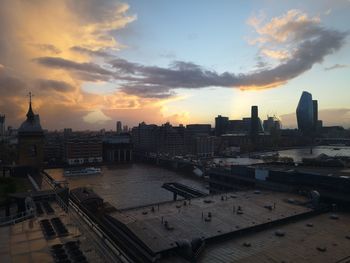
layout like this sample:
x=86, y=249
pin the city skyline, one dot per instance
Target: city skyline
x=91, y=63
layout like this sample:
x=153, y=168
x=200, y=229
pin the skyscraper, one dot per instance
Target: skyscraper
x=305, y=113
x=119, y=127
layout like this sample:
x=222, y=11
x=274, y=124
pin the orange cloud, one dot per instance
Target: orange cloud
x=263, y=87
x=66, y=31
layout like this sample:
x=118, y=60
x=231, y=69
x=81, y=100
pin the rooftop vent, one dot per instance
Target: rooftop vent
x=334, y=217
x=280, y=233
x=321, y=248
x=247, y=244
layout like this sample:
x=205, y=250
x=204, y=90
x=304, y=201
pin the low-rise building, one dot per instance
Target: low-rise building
x=83, y=151
x=117, y=149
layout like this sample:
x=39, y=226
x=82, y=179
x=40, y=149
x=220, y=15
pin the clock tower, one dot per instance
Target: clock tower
x=31, y=140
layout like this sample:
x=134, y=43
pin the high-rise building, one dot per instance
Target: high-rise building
x=2, y=126
x=305, y=113
x=125, y=128
x=254, y=130
x=119, y=127
x=221, y=124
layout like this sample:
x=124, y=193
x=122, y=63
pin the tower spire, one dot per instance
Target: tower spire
x=30, y=113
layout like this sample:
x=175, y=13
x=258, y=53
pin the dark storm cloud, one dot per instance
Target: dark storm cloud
x=153, y=91
x=304, y=39
x=337, y=66
x=189, y=75
x=84, y=71
x=59, y=86
x=56, y=62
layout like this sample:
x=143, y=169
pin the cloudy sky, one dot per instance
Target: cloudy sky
x=92, y=62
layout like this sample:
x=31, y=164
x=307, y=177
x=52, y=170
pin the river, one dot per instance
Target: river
x=131, y=185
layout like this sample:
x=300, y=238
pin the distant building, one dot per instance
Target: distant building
x=203, y=146
x=144, y=137
x=239, y=126
x=125, y=128
x=164, y=139
x=83, y=151
x=198, y=140
x=117, y=149
x=305, y=113
x=170, y=139
x=254, y=122
x=119, y=127
x=221, y=124
x=317, y=123
x=198, y=129
x=272, y=123
x=53, y=148
x=2, y=126
x=31, y=140
x=67, y=130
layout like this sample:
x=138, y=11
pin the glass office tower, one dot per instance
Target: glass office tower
x=305, y=113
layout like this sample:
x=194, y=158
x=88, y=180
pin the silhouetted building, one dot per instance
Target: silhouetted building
x=54, y=147
x=221, y=124
x=119, y=127
x=31, y=140
x=83, y=151
x=198, y=129
x=203, y=145
x=170, y=139
x=239, y=126
x=315, y=111
x=272, y=123
x=254, y=122
x=144, y=137
x=117, y=149
x=2, y=126
x=305, y=113
x=198, y=140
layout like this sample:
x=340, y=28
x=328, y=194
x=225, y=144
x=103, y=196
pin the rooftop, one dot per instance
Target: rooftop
x=317, y=239
x=211, y=217
x=326, y=171
x=25, y=242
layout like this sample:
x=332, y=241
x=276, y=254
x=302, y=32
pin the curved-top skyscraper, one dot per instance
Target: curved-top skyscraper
x=305, y=113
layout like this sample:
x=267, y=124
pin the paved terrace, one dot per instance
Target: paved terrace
x=24, y=242
x=186, y=222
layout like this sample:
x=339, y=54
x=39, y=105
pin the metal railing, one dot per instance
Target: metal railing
x=106, y=248
x=13, y=219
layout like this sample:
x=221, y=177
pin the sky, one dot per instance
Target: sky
x=90, y=63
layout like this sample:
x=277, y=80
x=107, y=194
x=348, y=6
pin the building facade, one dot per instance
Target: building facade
x=83, y=151
x=221, y=124
x=117, y=149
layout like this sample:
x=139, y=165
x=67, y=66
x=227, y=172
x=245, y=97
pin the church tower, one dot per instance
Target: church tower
x=31, y=140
